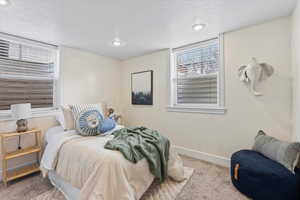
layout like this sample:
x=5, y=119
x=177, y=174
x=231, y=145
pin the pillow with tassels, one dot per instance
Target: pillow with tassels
x=89, y=123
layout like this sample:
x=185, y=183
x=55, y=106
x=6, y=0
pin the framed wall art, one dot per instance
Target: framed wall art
x=142, y=88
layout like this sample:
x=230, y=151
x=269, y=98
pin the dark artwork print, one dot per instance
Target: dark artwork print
x=141, y=88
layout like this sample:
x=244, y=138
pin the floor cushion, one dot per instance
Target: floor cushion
x=261, y=178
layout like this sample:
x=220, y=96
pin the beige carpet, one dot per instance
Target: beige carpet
x=208, y=182
x=165, y=191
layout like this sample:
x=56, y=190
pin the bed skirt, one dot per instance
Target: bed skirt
x=70, y=192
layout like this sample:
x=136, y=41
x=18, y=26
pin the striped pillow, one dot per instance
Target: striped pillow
x=77, y=109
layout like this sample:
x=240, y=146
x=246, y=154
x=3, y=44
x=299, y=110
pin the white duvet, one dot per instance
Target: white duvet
x=98, y=173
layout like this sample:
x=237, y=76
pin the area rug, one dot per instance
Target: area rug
x=168, y=190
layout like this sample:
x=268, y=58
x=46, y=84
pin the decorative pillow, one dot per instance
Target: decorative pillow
x=78, y=109
x=89, y=123
x=68, y=118
x=285, y=153
x=107, y=125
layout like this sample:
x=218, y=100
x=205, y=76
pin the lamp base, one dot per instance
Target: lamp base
x=22, y=125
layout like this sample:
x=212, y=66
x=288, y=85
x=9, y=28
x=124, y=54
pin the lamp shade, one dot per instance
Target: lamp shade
x=21, y=111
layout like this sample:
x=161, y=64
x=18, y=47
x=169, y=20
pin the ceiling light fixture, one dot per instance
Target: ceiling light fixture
x=4, y=2
x=198, y=27
x=116, y=42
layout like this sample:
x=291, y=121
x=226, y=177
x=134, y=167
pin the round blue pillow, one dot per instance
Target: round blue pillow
x=107, y=125
x=89, y=122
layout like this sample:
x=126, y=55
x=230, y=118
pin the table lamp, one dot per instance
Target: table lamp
x=21, y=112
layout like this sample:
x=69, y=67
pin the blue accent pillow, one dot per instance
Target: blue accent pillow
x=89, y=122
x=107, y=125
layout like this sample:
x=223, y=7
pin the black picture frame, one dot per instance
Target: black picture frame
x=142, y=97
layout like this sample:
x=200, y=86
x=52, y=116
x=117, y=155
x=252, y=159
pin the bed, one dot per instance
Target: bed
x=81, y=168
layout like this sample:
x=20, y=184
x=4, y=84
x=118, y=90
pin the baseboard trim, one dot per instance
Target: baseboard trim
x=218, y=160
x=17, y=167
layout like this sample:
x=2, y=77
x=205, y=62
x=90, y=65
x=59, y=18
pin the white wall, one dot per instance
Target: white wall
x=222, y=134
x=296, y=70
x=86, y=78
x=89, y=78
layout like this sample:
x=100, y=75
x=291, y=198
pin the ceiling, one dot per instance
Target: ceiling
x=145, y=25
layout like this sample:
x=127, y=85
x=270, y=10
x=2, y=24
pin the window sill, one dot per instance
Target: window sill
x=6, y=116
x=186, y=109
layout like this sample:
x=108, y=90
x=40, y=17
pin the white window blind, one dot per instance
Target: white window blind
x=28, y=72
x=197, y=70
x=201, y=90
x=197, y=77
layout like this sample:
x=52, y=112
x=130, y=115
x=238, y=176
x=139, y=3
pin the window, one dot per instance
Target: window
x=28, y=74
x=197, y=77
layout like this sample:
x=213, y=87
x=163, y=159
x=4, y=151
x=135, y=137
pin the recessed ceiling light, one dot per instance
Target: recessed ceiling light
x=198, y=27
x=4, y=2
x=116, y=42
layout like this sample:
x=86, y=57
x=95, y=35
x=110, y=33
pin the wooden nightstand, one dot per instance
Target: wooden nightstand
x=11, y=175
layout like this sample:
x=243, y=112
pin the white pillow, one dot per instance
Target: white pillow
x=60, y=118
x=68, y=118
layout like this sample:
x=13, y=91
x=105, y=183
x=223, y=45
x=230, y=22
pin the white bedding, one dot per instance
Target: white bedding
x=98, y=173
x=56, y=137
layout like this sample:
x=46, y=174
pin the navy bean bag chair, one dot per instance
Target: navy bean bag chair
x=261, y=178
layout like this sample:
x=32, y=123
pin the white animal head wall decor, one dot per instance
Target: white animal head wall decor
x=254, y=73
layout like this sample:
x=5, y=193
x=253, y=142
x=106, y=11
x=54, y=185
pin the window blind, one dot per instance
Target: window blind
x=27, y=74
x=197, y=73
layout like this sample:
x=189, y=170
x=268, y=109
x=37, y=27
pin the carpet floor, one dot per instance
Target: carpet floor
x=209, y=182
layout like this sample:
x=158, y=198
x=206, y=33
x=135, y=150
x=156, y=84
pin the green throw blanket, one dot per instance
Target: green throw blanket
x=140, y=142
